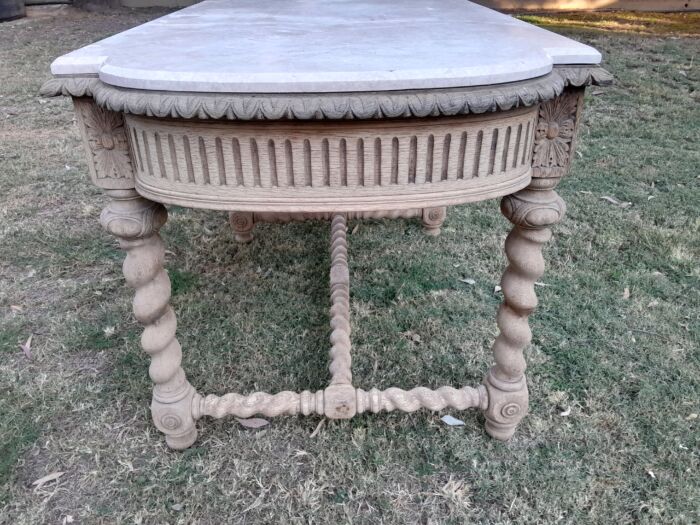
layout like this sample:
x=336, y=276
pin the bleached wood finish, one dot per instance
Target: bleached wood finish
x=342, y=166
x=532, y=211
x=340, y=304
x=308, y=403
x=134, y=157
x=330, y=106
x=135, y=221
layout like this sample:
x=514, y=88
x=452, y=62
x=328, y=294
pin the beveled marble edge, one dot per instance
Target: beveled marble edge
x=328, y=106
x=325, y=46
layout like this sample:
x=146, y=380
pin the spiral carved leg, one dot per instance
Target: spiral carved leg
x=531, y=211
x=432, y=219
x=135, y=221
x=340, y=402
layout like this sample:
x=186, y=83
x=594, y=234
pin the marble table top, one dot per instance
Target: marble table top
x=295, y=46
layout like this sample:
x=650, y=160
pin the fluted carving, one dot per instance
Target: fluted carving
x=135, y=221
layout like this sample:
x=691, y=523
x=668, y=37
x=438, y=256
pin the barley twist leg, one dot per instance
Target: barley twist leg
x=135, y=221
x=531, y=211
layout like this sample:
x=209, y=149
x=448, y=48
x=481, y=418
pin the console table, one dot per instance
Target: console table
x=289, y=110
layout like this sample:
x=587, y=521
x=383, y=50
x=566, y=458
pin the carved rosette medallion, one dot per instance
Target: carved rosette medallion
x=106, y=142
x=554, y=135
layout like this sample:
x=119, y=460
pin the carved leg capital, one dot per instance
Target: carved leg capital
x=135, y=221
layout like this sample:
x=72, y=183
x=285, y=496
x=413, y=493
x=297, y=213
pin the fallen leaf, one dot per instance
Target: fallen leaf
x=253, y=422
x=541, y=284
x=467, y=280
x=15, y=308
x=47, y=479
x=108, y=331
x=354, y=230
x=496, y=289
x=691, y=416
x=566, y=412
x=613, y=200
x=318, y=428
x=651, y=197
x=27, y=347
x=177, y=507
x=452, y=421
x=653, y=303
x=412, y=336
x=67, y=519
x=651, y=474
x=626, y=293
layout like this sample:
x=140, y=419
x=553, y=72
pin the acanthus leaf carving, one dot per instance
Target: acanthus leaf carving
x=554, y=135
x=104, y=135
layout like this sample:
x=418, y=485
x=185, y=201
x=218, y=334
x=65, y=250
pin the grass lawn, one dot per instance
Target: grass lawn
x=615, y=338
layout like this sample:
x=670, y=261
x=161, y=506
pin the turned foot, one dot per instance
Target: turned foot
x=432, y=219
x=242, y=223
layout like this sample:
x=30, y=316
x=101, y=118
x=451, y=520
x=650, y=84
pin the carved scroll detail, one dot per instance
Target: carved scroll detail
x=104, y=136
